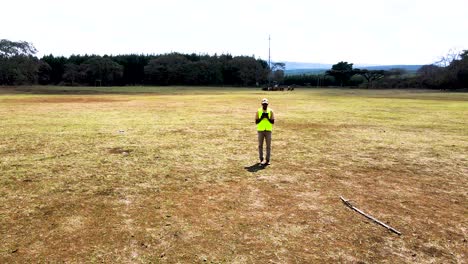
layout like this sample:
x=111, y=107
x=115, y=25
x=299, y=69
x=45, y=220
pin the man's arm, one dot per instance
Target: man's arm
x=272, y=119
x=257, y=120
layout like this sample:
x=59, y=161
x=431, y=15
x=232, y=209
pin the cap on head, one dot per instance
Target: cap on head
x=264, y=101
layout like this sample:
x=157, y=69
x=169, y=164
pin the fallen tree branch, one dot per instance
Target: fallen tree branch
x=347, y=203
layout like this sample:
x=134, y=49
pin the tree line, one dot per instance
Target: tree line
x=19, y=66
x=450, y=73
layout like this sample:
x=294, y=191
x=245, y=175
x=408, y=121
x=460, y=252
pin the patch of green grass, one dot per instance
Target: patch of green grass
x=161, y=174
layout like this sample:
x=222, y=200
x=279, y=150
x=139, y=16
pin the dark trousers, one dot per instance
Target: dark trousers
x=264, y=135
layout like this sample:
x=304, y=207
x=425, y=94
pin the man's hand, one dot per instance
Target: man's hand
x=265, y=115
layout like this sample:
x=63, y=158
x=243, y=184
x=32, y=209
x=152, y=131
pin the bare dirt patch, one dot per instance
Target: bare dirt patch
x=64, y=100
x=120, y=150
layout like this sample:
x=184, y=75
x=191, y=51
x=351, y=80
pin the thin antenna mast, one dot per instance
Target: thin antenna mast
x=269, y=62
x=269, y=58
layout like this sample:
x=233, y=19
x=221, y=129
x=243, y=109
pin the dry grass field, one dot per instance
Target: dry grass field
x=169, y=175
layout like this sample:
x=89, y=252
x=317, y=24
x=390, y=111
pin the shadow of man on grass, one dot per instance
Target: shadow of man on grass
x=254, y=168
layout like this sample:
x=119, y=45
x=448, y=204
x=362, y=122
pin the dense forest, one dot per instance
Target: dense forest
x=20, y=66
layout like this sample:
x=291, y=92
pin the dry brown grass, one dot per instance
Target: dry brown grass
x=169, y=177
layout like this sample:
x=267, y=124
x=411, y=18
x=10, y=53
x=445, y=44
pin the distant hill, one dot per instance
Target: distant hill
x=409, y=68
x=304, y=71
x=298, y=68
x=306, y=65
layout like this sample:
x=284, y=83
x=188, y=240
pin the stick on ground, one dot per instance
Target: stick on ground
x=347, y=203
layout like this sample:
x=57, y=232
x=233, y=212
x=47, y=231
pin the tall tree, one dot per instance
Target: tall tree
x=72, y=74
x=102, y=71
x=43, y=72
x=370, y=75
x=17, y=63
x=277, y=71
x=462, y=74
x=10, y=48
x=203, y=72
x=57, y=67
x=342, y=72
x=458, y=71
x=245, y=67
x=133, y=67
x=167, y=69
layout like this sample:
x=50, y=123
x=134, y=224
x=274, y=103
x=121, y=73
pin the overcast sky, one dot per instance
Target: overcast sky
x=321, y=31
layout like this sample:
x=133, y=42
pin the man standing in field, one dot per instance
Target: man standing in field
x=264, y=118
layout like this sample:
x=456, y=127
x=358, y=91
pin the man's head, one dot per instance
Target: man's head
x=264, y=103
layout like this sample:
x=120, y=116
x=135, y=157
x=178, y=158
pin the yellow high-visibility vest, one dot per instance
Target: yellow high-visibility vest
x=264, y=125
